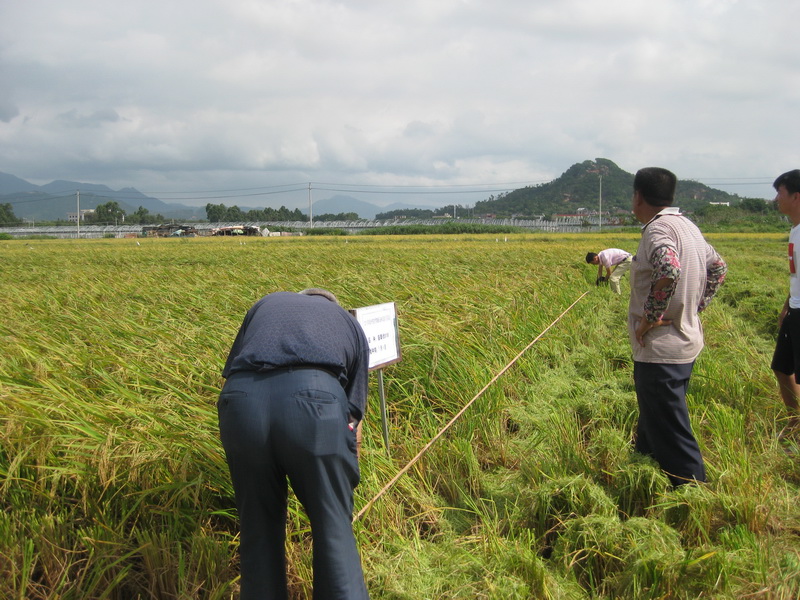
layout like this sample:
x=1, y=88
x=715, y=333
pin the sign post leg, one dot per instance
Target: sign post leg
x=384, y=421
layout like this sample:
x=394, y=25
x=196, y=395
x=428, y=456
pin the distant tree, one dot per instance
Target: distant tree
x=219, y=212
x=215, y=212
x=7, y=216
x=142, y=216
x=139, y=216
x=110, y=212
x=284, y=214
x=350, y=216
x=740, y=219
x=234, y=213
x=405, y=213
x=755, y=205
x=451, y=210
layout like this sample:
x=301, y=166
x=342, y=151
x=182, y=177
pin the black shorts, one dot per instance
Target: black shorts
x=786, y=359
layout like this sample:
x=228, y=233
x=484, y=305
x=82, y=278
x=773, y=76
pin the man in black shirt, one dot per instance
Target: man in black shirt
x=295, y=391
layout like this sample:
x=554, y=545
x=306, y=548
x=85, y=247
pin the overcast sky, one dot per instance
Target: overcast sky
x=243, y=101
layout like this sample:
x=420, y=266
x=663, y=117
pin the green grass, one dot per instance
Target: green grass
x=113, y=483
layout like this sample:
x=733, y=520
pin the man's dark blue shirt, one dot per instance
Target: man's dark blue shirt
x=287, y=329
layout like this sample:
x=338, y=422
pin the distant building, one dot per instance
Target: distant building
x=720, y=203
x=238, y=230
x=169, y=230
x=73, y=217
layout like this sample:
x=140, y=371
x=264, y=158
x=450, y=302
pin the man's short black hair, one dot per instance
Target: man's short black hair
x=790, y=180
x=590, y=257
x=320, y=292
x=656, y=185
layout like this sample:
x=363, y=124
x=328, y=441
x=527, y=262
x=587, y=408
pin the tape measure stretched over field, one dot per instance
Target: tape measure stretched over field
x=427, y=446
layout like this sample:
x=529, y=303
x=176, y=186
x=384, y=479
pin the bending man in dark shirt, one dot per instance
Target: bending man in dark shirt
x=295, y=391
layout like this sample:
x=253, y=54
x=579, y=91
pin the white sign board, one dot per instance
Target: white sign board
x=379, y=323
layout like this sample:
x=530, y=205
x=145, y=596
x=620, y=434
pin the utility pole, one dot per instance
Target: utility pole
x=310, y=213
x=600, y=170
x=78, y=197
x=600, y=216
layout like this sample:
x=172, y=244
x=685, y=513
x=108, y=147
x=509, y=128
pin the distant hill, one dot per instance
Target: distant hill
x=346, y=204
x=343, y=204
x=10, y=185
x=54, y=200
x=579, y=188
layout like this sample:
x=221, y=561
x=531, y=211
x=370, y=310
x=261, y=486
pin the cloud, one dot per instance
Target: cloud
x=72, y=118
x=438, y=92
x=7, y=110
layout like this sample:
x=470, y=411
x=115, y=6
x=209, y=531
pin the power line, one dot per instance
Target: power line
x=429, y=186
x=290, y=188
x=115, y=196
x=304, y=184
x=353, y=188
x=48, y=198
x=354, y=191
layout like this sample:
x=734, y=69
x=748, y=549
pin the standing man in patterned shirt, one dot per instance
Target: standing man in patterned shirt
x=674, y=276
x=786, y=360
x=295, y=392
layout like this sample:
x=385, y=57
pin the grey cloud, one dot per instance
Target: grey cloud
x=371, y=91
x=8, y=111
x=88, y=120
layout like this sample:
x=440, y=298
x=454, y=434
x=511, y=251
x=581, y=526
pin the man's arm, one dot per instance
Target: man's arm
x=663, y=282
x=784, y=312
x=357, y=372
x=715, y=277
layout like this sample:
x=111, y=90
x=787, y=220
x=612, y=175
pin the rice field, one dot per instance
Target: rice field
x=114, y=486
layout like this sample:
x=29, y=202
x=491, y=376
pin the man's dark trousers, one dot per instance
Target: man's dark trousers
x=292, y=423
x=664, y=431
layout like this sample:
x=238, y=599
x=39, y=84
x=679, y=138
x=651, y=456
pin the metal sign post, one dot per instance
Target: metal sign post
x=384, y=418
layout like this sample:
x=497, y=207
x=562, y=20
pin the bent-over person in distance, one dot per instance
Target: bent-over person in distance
x=674, y=276
x=616, y=262
x=295, y=392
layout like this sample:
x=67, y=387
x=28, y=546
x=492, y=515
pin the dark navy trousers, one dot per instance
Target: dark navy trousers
x=292, y=423
x=664, y=431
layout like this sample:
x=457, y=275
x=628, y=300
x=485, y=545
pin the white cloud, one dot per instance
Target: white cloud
x=174, y=95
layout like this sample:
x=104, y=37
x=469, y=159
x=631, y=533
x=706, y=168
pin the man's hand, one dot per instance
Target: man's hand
x=600, y=280
x=645, y=326
x=783, y=313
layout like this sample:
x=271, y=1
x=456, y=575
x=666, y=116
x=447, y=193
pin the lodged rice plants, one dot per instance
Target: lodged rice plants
x=113, y=483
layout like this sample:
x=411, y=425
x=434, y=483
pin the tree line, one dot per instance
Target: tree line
x=7, y=216
x=219, y=213
x=451, y=210
x=109, y=213
x=748, y=213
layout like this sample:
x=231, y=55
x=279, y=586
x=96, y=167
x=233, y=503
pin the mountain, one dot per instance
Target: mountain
x=346, y=204
x=579, y=188
x=56, y=199
x=11, y=185
x=53, y=201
